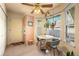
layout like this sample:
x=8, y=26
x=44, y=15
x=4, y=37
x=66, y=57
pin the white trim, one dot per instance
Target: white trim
x=68, y=7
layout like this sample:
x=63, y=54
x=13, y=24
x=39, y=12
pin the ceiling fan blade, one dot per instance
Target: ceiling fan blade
x=32, y=11
x=47, y=5
x=41, y=11
x=27, y=4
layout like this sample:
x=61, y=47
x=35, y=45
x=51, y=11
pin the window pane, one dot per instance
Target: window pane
x=53, y=19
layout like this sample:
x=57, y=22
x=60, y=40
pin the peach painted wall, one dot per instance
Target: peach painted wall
x=29, y=30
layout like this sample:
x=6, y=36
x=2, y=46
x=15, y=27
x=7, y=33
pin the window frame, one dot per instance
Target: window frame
x=69, y=7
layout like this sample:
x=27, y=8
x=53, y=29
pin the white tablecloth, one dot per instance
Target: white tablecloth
x=47, y=37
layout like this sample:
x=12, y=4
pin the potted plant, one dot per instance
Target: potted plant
x=46, y=25
x=72, y=53
x=68, y=53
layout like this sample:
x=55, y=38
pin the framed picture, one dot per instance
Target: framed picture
x=30, y=23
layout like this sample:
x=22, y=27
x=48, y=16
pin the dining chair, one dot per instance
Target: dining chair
x=42, y=45
x=55, y=41
x=37, y=41
x=54, y=44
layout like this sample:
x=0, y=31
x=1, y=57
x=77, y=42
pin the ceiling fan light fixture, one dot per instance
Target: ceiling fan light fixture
x=37, y=10
x=38, y=7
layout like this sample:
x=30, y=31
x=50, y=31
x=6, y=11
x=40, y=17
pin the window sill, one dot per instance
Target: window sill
x=71, y=44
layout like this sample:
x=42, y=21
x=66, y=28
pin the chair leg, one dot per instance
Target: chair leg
x=58, y=51
x=52, y=52
x=37, y=44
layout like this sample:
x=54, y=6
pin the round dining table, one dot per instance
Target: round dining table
x=48, y=38
x=47, y=42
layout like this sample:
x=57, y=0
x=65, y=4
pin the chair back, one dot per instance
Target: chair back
x=37, y=39
x=42, y=43
x=54, y=43
x=57, y=33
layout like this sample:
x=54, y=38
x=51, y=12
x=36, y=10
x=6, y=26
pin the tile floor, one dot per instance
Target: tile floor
x=22, y=50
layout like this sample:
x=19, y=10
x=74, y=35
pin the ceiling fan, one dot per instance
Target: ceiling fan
x=38, y=7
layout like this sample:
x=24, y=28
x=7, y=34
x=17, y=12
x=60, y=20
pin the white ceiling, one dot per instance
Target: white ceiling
x=18, y=7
